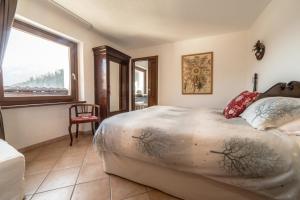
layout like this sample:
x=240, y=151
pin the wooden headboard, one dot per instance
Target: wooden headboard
x=291, y=89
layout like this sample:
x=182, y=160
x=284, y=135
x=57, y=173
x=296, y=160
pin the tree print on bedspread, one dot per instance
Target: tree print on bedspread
x=275, y=109
x=153, y=142
x=248, y=158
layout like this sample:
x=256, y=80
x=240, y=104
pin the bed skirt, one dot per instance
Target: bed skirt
x=179, y=184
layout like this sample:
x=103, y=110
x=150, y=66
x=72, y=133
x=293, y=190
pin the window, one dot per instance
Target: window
x=38, y=67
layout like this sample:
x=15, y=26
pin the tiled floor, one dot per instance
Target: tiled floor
x=60, y=172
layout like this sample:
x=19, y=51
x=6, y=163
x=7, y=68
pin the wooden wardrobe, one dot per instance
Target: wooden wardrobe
x=111, y=81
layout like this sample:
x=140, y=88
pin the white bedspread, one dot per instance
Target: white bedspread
x=204, y=142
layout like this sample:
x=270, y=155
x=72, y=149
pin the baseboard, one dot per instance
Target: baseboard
x=57, y=139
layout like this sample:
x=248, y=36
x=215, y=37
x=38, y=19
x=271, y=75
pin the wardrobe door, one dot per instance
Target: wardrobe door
x=118, y=86
x=100, y=80
x=114, y=87
x=124, y=80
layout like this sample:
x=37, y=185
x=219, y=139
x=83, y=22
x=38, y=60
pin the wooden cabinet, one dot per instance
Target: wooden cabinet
x=111, y=81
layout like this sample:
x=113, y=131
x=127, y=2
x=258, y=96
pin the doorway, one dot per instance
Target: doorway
x=144, y=82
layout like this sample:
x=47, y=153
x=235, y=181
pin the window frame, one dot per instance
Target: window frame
x=38, y=32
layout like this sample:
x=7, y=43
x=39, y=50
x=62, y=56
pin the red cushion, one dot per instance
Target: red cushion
x=239, y=104
x=83, y=119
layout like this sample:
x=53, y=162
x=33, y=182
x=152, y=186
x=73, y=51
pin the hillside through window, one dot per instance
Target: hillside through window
x=37, y=65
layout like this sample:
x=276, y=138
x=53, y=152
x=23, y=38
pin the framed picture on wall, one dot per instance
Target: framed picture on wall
x=197, y=73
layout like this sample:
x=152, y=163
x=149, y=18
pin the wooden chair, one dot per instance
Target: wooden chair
x=83, y=113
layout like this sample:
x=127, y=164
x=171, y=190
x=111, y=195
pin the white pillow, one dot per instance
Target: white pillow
x=272, y=112
x=292, y=127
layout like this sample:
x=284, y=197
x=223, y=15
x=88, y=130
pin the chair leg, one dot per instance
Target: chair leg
x=93, y=128
x=77, y=129
x=70, y=132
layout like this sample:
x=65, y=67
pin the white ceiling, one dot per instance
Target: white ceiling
x=141, y=23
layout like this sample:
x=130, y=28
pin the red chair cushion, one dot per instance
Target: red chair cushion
x=84, y=119
x=239, y=104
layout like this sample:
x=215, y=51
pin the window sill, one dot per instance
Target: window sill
x=40, y=104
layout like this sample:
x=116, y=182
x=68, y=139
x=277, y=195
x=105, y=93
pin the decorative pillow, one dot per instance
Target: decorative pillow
x=292, y=127
x=239, y=104
x=272, y=112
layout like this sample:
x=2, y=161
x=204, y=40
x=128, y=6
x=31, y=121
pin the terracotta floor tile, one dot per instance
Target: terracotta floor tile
x=96, y=190
x=92, y=148
x=157, y=195
x=51, y=153
x=39, y=166
x=31, y=155
x=69, y=162
x=122, y=188
x=52, y=170
x=76, y=151
x=93, y=157
x=139, y=197
x=58, y=194
x=59, y=144
x=54, y=148
x=90, y=172
x=149, y=189
x=32, y=182
x=83, y=140
x=58, y=179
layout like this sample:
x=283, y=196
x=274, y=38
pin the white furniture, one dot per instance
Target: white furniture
x=12, y=168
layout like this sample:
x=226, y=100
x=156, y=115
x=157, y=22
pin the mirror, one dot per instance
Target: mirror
x=141, y=84
x=114, y=82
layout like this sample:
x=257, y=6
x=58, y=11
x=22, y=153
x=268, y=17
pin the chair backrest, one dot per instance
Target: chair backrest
x=84, y=109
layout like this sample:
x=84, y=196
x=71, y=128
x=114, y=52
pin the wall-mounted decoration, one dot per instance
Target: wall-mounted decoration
x=197, y=73
x=259, y=49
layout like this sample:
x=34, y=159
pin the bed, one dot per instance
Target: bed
x=198, y=154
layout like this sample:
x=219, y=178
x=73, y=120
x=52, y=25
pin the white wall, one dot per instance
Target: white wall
x=230, y=53
x=279, y=28
x=28, y=126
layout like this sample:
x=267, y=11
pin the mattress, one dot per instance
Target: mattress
x=202, y=142
x=12, y=168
